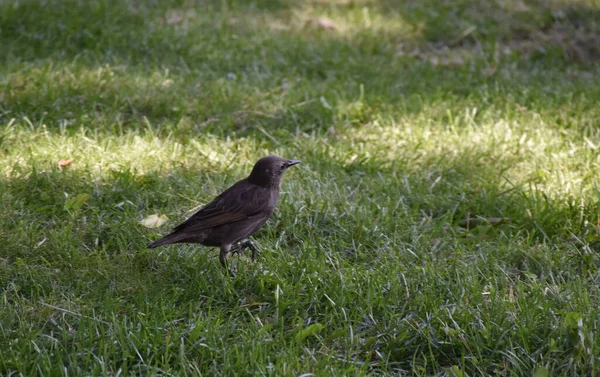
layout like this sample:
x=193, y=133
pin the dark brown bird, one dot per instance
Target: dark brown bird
x=235, y=214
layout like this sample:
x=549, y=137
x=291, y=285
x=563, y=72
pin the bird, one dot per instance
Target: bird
x=236, y=214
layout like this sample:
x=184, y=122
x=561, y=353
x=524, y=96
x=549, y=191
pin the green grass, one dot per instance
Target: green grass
x=409, y=116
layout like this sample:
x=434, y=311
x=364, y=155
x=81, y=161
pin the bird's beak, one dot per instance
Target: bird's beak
x=293, y=162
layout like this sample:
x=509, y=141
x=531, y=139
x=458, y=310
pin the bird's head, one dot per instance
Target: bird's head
x=268, y=171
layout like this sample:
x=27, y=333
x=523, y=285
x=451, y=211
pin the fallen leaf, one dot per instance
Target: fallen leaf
x=154, y=221
x=325, y=23
x=64, y=163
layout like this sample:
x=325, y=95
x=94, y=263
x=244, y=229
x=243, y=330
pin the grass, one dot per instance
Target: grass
x=409, y=117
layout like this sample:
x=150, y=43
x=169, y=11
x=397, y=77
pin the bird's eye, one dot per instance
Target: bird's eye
x=283, y=166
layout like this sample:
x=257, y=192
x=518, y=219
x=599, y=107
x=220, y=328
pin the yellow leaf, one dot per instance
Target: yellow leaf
x=154, y=221
x=64, y=163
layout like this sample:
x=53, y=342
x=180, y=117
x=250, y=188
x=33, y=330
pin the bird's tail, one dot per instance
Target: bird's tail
x=168, y=239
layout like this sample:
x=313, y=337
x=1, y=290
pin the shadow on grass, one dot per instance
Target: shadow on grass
x=216, y=68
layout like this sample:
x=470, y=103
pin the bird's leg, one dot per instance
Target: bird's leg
x=225, y=251
x=254, y=248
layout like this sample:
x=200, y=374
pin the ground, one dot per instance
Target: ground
x=410, y=117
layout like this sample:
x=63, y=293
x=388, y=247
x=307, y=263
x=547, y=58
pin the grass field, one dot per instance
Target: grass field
x=409, y=117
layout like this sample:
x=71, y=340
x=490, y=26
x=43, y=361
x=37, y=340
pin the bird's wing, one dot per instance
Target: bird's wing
x=239, y=202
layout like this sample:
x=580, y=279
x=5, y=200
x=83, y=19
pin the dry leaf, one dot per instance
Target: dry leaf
x=64, y=163
x=154, y=221
x=325, y=23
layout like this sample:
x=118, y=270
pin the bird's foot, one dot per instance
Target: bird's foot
x=240, y=246
x=255, y=250
x=236, y=249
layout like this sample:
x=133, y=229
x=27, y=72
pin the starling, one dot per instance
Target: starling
x=237, y=213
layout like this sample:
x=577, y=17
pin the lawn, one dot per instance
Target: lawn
x=409, y=116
